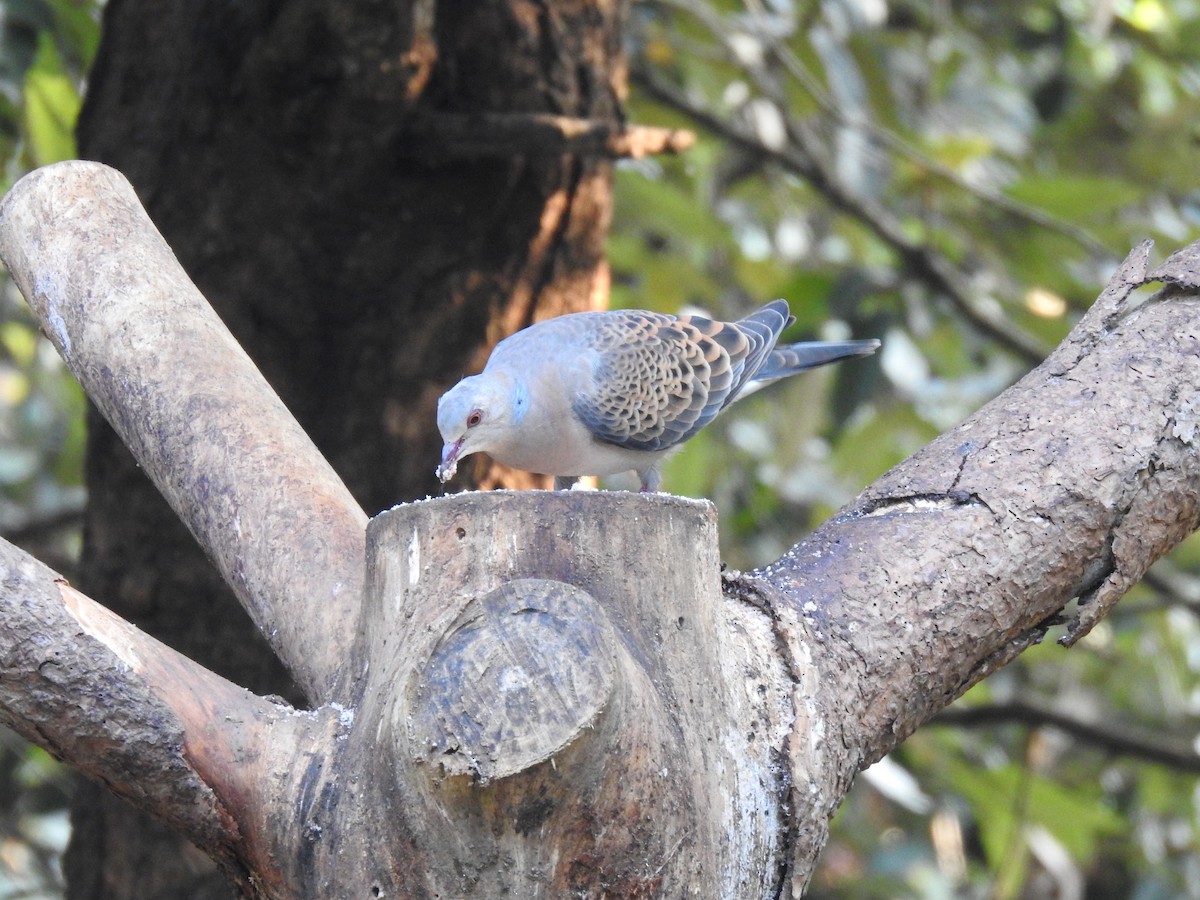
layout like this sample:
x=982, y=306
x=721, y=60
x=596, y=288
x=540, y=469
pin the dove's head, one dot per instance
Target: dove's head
x=478, y=414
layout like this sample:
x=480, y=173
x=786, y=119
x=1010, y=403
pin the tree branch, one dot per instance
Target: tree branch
x=168, y=735
x=467, y=135
x=778, y=51
x=1069, y=484
x=803, y=159
x=1123, y=739
x=202, y=755
x=201, y=420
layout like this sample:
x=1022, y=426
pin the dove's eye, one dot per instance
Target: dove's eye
x=474, y=418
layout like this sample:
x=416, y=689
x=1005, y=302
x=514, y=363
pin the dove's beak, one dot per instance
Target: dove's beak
x=449, y=460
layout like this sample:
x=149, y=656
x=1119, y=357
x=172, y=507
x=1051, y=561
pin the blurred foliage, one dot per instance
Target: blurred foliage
x=958, y=179
x=45, y=49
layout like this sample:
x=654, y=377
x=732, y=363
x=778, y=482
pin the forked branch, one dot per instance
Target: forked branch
x=201, y=420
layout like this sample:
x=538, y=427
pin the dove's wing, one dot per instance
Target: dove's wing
x=658, y=379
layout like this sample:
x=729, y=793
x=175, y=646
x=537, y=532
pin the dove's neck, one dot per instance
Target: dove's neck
x=520, y=403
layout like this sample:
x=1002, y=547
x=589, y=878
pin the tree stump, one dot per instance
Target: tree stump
x=554, y=680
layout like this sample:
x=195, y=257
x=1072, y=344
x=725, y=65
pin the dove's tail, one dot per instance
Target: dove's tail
x=792, y=358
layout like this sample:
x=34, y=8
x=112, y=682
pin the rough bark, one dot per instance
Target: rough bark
x=519, y=735
x=563, y=697
x=294, y=157
x=362, y=268
x=358, y=265
x=202, y=755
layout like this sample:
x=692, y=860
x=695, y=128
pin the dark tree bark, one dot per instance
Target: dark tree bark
x=293, y=154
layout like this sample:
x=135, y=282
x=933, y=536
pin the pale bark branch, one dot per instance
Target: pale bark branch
x=1070, y=484
x=560, y=684
x=201, y=420
x=75, y=682
x=179, y=742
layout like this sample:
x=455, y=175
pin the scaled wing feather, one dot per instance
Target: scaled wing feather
x=658, y=379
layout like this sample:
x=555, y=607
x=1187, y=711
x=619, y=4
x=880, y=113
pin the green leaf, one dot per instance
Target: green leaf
x=660, y=205
x=19, y=339
x=689, y=472
x=1078, y=198
x=1076, y=815
x=876, y=442
x=807, y=293
x=78, y=26
x=52, y=105
x=1187, y=554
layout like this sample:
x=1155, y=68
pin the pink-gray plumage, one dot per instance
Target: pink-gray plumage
x=597, y=393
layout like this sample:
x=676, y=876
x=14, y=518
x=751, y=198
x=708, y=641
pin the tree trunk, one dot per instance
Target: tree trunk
x=363, y=245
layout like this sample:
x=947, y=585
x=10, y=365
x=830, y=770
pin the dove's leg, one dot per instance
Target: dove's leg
x=565, y=482
x=651, y=478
